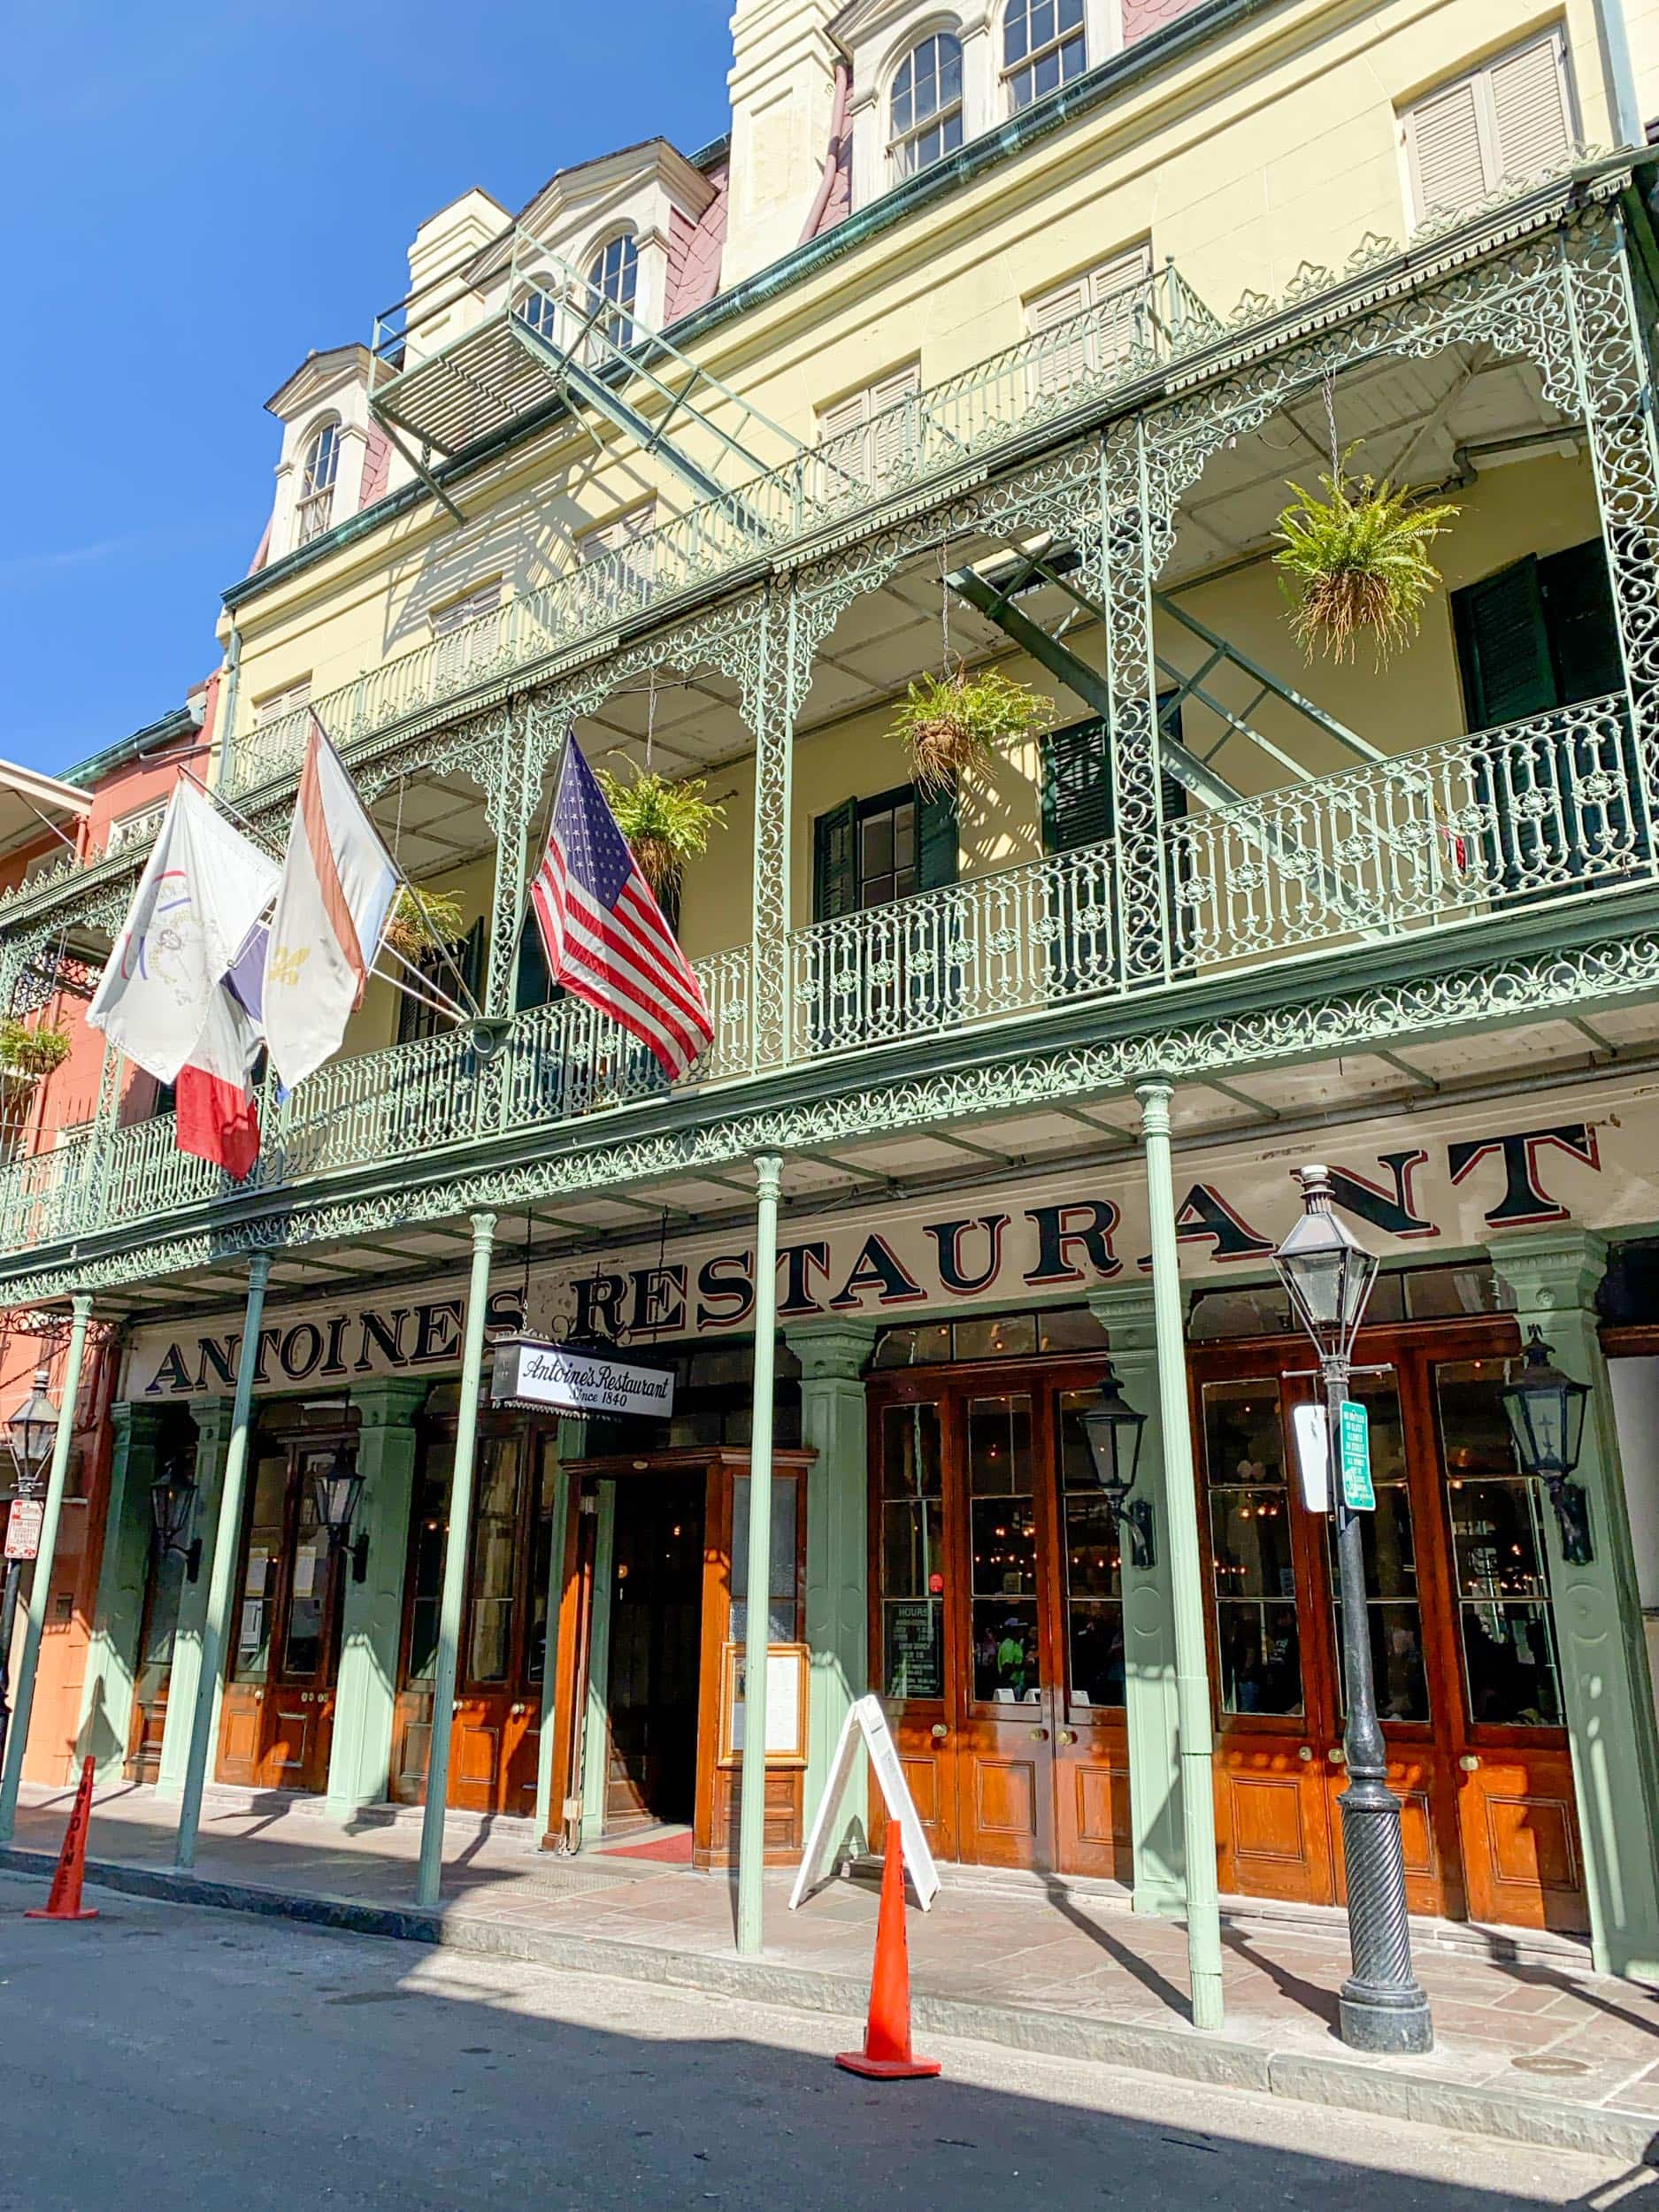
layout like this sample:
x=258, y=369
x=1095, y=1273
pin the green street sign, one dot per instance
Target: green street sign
x=1354, y=1438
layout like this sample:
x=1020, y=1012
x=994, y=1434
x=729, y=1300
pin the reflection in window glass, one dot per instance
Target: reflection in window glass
x=1505, y=1615
x=495, y=1526
x=1006, y=1665
x=432, y=1507
x=1006, y=1336
x=912, y=1554
x=1094, y=1585
x=261, y=1562
x=1249, y=1535
x=1391, y=1567
x=784, y=1617
x=311, y=1581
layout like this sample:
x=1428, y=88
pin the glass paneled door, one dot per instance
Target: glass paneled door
x=998, y=1629
x=1461, y=1630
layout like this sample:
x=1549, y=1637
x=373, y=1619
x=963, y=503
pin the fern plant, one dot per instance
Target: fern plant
x=1356, y=564
x=665, y=824
x=956, y=722
x=32, y=1051
x=423, y=922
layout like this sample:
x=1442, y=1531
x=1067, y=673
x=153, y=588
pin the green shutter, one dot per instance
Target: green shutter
x=1503, y=646
x=835, y=862
x=1583, y=630
x=1077, y=787
x=938, y=841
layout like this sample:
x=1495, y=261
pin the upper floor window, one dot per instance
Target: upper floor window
x=1092, y=321
x=136, y=828
x=540, y=311
x=614, y=275
x=465, y=637
x=1044, y=45
x=275, y=704
x=926, y=108
x=1509, y=121
x=629, y=538
x=315, y=507
x=866, y=435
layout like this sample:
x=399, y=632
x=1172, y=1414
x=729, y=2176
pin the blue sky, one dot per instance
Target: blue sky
x=194, y=196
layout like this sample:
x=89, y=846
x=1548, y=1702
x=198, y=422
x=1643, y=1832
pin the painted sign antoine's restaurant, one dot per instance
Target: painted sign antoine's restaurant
x=1406, y=1183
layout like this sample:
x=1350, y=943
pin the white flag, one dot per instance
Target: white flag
x=338, y=884
x=205, y=889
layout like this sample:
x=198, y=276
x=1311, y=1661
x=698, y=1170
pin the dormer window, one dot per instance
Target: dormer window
x=1044, y=46
x=614, y=275
x=315, y=508
x=539, y=310
x=926, y=104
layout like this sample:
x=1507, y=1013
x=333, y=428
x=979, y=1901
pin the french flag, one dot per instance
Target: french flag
x=216, y=1116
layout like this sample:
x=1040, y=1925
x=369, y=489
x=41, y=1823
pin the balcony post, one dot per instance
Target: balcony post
x=1133, y=544
x=751, y=1833
x=17, y=1738
x=1192, y=1666
x=770, y=707
x=452, y=1602
x=222, y=1570
x=507, y=807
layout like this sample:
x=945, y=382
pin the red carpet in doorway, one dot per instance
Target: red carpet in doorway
x=673, y=1850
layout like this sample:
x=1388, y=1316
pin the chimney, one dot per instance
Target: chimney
x=443, y=245
x=783, y=112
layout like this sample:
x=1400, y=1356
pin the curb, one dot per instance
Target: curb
x=1221, y=2062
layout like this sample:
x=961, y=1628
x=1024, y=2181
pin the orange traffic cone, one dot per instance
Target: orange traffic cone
x=65, y=1901
x=886, y=2055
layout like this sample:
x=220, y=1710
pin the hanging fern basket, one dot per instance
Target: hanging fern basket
x=1356, y=565
x=32, y=1051
x=665, y=824
x=956, y=723
x=424, y=922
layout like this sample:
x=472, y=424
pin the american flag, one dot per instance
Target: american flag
x=605, y=936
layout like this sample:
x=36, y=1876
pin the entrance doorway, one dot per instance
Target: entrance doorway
x=998, y=1640
x=1462, y=1631
x=655, y=1663
x=278, y=1719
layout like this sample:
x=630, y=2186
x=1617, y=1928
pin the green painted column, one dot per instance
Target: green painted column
x=1186, y=1571
x=40, y=1580
x=833, y=1424
x=1553, y=1277
x=1156, y=1817
x=452, y=1599
x=118, y=1620
x=751, y=1827
x=213, y=1418
x=596, y=1704
x=222, y=1561
x=360, y=1756
x=570, y=1446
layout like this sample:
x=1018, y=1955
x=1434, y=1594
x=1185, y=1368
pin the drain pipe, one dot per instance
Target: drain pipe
x=225, y=719
x=837, y=147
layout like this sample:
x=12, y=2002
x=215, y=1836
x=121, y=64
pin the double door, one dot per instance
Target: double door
x=277, y=1721
x=998, y=1637
x=1461, y=1621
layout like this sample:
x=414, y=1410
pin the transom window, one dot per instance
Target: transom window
x=926, y=113
x=315, y=509
x=1044, y=46
x=614, y=274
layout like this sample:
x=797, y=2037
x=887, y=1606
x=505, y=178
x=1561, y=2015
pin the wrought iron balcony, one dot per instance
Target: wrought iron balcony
x=1555, y=807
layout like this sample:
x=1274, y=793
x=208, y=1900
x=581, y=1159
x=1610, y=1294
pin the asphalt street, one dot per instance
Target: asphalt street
x=166, y=2056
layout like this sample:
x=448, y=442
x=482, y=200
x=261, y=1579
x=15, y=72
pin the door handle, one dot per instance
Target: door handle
x=1305, y=1751
x=1066, y=1735
x=1470, y=1763
x=517, y=1713
x=258, y=1697
x=1040, y=1734
x=1337, y=1756
x=939, y=1731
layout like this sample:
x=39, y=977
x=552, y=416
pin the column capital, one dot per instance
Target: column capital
x=1127, y=1312
x=258, y=1270
x=768, y=1173
x=833, y=1351
x=390, y=1400
x=1551, y=1270
x=1155, y=1097
x=483, y=1231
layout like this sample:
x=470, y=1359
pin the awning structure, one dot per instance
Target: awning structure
x=32, y=806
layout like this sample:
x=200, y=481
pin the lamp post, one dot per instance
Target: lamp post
x=29, y=1435
x=1114, y=1430
x=1545, y=1409
x=1329, y=1274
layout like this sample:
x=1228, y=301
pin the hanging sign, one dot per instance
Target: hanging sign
x=868, y=1724
x=556, y=1377
x=1354, y=1442
x=23, y=1528
x=1312, y=1432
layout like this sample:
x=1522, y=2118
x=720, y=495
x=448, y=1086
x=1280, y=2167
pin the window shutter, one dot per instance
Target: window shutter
x=1581, y=624
x=1176, y=797
x=891, y=417
x=1446, y=149
x=1530, y=108
x=1119, y=291
x=835, y=862
x=1077, y=789
x=846, y=415
x=532, y=985
x=1503, y=647
x=1064, y=360
x=937, y=840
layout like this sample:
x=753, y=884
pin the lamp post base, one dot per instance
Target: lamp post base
x=1394, y=2023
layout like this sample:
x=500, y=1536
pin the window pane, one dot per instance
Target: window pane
x=1255, y=1567
x=1009, y=1336
x=1003, y=1531
x=1094, y=1625
x=999, y=1447
x=785, y=1610
x=259, y=1574
x=1391, y=1572
x=432, y=1511
x=311, y=1581
x=912, y=1535
x=494, y=1532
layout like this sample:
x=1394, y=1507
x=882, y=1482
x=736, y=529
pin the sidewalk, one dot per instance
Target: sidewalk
x=1530, y=2044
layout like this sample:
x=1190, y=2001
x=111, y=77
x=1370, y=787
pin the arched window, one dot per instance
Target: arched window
x=614, y=274
x=1044, y=45
x=926, y=113
x=315, y=507
x=540, y=311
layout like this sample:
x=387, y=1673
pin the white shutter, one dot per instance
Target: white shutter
x=463, y=632
x=1058, y=364
x=1118, y=290
x=624, y=536
x=1528, y=103
x=275, y=704
x=891, y=418
x=1447, y=158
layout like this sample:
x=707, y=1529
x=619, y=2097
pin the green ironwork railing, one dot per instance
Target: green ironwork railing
x=1558, y=806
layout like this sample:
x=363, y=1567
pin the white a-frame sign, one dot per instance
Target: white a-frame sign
x=867, y=1721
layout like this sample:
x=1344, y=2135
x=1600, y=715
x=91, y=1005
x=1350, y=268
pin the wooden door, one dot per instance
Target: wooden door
x=164, y=1588
x=911, y=1576
x=1091, y=1757
x=654, y=1674
x=278, y=1716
